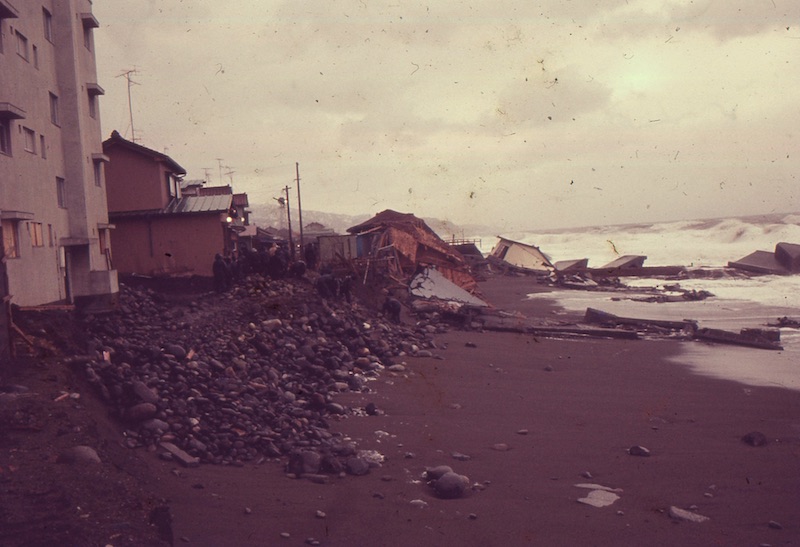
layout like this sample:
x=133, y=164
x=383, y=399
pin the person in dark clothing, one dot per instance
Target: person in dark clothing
x=327, y=286
x=220, y=271
x=311, y=256
x=345, y=288
x=298, y=269
x=230, y=274
x=392, y=307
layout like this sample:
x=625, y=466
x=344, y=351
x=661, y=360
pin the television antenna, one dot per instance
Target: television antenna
x=128, y=75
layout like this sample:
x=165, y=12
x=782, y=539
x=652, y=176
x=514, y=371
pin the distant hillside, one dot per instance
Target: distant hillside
x=272, y=215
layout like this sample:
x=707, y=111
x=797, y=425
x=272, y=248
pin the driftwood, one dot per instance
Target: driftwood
x=604, y=318
x=754, y=338
x=525, y=326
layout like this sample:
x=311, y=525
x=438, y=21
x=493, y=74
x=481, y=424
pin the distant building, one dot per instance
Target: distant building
x=158, y=230
x=53, y=213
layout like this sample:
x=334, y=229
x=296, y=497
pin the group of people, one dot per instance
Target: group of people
x=271, y=262
x=275, y=262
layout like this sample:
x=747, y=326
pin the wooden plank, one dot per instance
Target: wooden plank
x=598, y=316
x=738, y=339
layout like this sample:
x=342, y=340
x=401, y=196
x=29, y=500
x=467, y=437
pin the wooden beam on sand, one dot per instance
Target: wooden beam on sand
x=604, y=318
x=523, y=326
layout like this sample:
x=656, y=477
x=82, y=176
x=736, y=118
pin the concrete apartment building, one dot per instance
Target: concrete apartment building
x=53, y=210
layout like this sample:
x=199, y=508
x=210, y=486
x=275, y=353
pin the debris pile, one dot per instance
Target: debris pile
x=242, y=376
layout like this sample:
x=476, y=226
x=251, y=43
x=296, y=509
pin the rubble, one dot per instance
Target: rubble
x=244, y=375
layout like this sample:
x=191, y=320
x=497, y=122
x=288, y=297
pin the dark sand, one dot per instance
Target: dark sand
x=600, y=398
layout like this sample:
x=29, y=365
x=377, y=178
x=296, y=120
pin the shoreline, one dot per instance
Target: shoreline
x=581, y=405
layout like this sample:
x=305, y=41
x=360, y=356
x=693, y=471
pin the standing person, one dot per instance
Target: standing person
x=229, y=269
x=220, y=271
x=345, y=288
x=311, y=256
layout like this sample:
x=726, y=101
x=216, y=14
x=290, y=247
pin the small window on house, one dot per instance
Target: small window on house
x=47, y=22
x=54, y=109
x=50, y=235
x=35, y=57
x=61, y=192
x=22, y=46
x=30, y=140
x=10, y=238
x=42, y=147
x=5, y=136
x=35, y=233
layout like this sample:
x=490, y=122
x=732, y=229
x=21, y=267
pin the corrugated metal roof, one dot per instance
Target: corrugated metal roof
x=199, y=204
x=184, y=206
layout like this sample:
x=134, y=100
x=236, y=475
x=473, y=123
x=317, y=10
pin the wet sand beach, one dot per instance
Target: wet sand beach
x=527, y=419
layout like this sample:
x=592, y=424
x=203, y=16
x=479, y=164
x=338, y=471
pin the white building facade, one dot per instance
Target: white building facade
x=53, y=209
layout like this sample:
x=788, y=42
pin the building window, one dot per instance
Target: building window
x=93, y=105
x=47, y=21
x=10, y=239
x=87, y=38
x=42, y=146
x=35, y=57
x=98, y=173
x=54, y=109
x=61, y=192
x=103, y=240
x=35, y=233
x=22, y=46
x=50, y=235
x=30, y=140
x=5, y=136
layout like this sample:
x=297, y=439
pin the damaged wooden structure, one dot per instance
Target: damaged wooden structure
x=623, y=266
x=400, y=245
x=688, y=329
x=516, y=256
x=785, y=260
x=600, y=324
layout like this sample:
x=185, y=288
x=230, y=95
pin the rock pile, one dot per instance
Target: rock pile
x=245, y=375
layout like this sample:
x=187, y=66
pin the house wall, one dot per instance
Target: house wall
x=127, y=173
x=168, y=244
x=335, y=248
x=62, y=67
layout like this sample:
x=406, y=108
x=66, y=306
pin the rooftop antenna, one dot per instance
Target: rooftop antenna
x=230, y=173
x=219, y=162
x=127, y=75
x=206, y=170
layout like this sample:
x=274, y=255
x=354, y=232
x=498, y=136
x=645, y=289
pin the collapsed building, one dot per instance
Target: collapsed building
x=400, y=245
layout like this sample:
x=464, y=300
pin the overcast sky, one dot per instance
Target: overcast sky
x=520, y=114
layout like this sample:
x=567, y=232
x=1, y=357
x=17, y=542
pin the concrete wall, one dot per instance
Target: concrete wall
x=62, y=67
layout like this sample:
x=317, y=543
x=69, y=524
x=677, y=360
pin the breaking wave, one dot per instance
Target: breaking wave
x=712, y=242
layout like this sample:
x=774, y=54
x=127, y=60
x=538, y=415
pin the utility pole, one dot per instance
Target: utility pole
x=127, y=75
x=289, y=219
x=299, y=207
